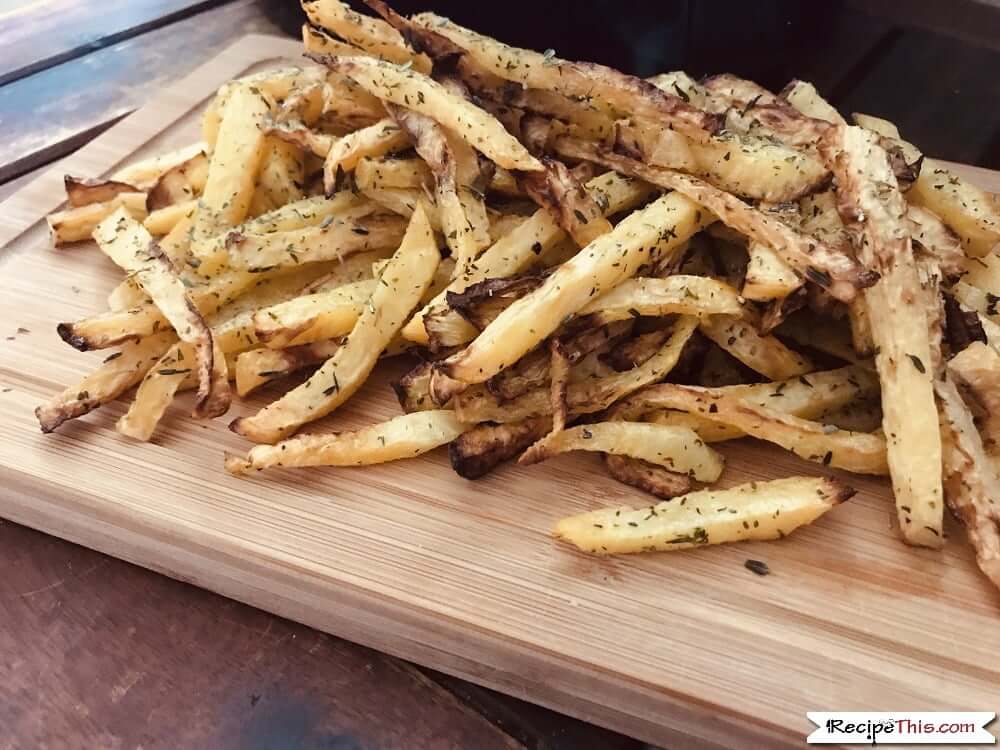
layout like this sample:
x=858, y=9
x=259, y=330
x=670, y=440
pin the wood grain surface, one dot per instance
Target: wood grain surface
x=688, y=649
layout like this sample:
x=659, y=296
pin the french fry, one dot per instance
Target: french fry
x=379, y=172
x=280, y=177
x=336, y=240
x=768, y=277
x=900, y=330
x=405, y=278
x=757, y=511
x=529, y=242
x=144, y=174
x=649, y=477
x=967, y=209
x=258, y=367
x=970, y=478
x=535, y=70
x=861, y=453
x=313, y=317
x=646, y=236
x=372, y=35
x=765, y=354
x=675, y=448
x=806, y=99
x=179, y=184
x=977, y=370
x=232, y=171
x=81, y=191
x=687, y=295
x=129, y=245
x=584, y=397
x=482, y=447
x=465, y=237
x=163, y=220
x=379, y=139
x=405, y=436
x=409, y=88
x=558, y=190
x=804, y=396
x=119, y=372
x=78, y=224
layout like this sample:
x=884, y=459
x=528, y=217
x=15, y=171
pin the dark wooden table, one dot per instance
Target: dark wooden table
x=98, y=653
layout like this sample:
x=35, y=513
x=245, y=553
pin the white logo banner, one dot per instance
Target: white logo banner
x=901, y=728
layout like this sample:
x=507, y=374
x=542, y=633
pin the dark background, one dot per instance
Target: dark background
x=931, y=66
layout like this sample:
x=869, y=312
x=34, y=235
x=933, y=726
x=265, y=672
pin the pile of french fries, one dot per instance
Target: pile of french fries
x=580, y=260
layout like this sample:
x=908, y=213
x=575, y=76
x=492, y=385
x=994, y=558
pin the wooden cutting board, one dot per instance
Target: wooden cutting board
x=687, y=650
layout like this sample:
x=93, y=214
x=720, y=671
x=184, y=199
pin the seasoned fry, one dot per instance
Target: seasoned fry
x=408, y=88
x=765, y=354
x=900, y=330
x=687, y=295
x=280, y=178
x=529, y=242
x=313, y=317
x=380, y=172
x=144, y=174
x=755, y=511
x=584, y=397
x=179, y=184
x=119, y=372
x=232, y=170
x=129, y=245
x=968, y=210
x=382, y=138
x=805, y=396
x=977, y=370
x=624, y=93
x=372, y=35
x=970, y=477
x=675, y=448
x=81, y=191
x=337, y=240
x=803, y=96
x=78, y=224
x=405, y=436
x=646, y=236
x=163, y=220
x=861, y=453
x=401, y=285
x=258, y=367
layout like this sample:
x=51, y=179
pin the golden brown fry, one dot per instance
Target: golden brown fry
x=144, y=174
x=179, y=184
x=765, y=354
x=977, y=370
x=401, y=285
x=675, y=448
x=78, y=224
x=258, y=367
x=163, y=220
x=119, y=372
x=861, y=453
x=408, y=88
x=382, y=138
x=405, y=436
x=970, y=478
x=129, y=245
x=758, y=510
x=624, y=93
x=313, y=317
x=646, y=236
x=372, y=35
x=900, y=327
x=337, y=240
x=82, y=191
x=584, y=397
x=687, y=295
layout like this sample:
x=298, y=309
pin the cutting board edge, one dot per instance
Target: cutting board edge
x=234, y=576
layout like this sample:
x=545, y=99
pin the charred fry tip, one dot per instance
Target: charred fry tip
x=67, y=333
x=443, y=386
x=48, y=422
x=838, y=491
x=237, y=426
